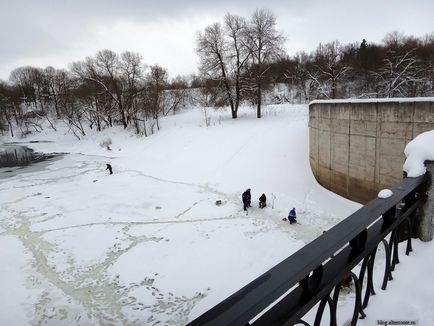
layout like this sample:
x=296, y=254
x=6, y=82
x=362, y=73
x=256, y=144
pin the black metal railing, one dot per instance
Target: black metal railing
x=312, y=275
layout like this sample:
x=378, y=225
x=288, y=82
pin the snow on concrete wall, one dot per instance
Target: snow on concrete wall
x=357, y=147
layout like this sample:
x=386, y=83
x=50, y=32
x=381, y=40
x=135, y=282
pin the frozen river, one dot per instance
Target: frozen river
x=90, y=255
x=147, y=245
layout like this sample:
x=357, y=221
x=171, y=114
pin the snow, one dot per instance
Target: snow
x=385, y=193
x=375, y=100
x=148, y=245
x=14, y=287
x=419, y=150
x=409, y=296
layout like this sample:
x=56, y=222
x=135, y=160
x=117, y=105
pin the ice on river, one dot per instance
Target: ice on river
x=148, y=245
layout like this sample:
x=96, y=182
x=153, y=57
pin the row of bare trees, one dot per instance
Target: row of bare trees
x=399, y=67
x=99, y=92
x=240, y=58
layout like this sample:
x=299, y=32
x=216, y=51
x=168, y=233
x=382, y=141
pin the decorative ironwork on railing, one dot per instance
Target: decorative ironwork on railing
x=285, y=293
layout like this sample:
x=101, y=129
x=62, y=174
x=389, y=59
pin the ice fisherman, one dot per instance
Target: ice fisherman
x=292, y=216
x=247, y=198
x=109, y=167
x=262, y=201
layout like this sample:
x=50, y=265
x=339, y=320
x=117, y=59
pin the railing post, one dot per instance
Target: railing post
x=425, y=225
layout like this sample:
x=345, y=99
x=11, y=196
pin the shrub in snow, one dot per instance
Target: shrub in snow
x=106, y=143
x=418, y=151
x=385, y=193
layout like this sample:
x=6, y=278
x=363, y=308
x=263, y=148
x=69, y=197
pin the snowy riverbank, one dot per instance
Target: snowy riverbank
x=148, y=244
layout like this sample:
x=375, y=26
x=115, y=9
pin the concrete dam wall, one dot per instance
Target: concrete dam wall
x=357, y=146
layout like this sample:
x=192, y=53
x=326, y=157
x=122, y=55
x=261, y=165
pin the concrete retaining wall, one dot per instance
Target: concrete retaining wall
x=357, y=146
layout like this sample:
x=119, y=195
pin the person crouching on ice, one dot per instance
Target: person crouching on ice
x=262, y=201
x=292, y=216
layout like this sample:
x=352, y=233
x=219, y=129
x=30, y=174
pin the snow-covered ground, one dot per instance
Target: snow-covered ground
x=147, y=245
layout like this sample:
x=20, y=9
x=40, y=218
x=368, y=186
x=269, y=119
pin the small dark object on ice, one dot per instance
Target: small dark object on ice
x=247, y=198
x=218, y=202
x=284, y=219
x=157, y=207
x=109, y=167
x=94, y=180
x=262, y=201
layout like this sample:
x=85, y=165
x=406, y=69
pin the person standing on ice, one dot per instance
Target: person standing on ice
x=292, y=216
x=262, y=201
x=247, y=198
x=109, y=167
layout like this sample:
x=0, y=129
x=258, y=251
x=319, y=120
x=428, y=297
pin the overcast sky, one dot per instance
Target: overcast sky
x=58, y=32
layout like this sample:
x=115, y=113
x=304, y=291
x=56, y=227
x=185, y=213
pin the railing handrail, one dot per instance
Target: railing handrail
x=252, y=299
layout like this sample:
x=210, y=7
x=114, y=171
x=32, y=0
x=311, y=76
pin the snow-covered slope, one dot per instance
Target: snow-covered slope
x=148, y=245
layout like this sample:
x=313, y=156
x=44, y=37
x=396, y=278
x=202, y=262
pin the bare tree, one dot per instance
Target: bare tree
x=59, y=83
x=265, y=45
x=157, y=81
x=238, y=54
x=300, y=77
x=212, y=51
x=9, y=98
x=329, y=71
x=131, y=68
x=25, y=78
x=177, y=95
x=399, y=76
x=104, y=71
x=427, y=57
x=35, y=91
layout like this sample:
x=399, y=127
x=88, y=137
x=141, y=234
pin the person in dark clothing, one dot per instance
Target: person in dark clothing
x=247, y=198
x=292, y=216
x=109, y=167
x=262, y=201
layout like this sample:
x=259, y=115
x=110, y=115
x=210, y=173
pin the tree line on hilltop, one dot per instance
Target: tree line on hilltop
x=241, y=61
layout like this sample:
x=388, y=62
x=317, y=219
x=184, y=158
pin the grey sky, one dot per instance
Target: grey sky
x=58, y=32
